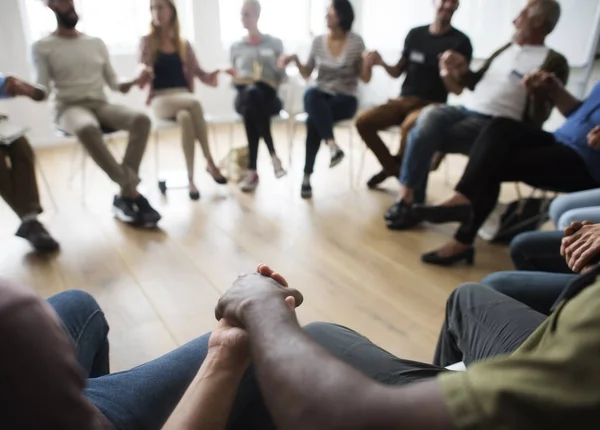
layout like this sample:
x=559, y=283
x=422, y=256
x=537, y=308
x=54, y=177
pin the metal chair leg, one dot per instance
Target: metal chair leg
x=350, y=150
x=46, y=183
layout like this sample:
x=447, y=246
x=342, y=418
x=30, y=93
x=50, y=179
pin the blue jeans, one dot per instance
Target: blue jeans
x=538, y=290
x=141, y=398
x=539, y=251
x=580, y=206
x=324, y=110
x=449, y=129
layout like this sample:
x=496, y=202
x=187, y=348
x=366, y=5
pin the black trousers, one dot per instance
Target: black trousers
x=257, y=103
x=480, y=324
x=510, y=151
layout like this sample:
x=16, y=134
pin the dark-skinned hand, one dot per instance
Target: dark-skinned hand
x=257, y=289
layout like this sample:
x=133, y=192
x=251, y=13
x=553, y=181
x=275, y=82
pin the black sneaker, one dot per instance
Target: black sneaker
x=337, y=155
x=37, y=235
x=403, y=218
x=124, y=209
x=306, y=191
x=148, y=216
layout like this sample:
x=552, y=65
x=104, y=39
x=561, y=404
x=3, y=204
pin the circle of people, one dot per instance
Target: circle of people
x=499, y=128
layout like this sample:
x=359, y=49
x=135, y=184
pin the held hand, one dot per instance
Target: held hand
x=454, y=63
x=258, y=289
x=285, y=60
x=145, y=77
x=125, y=87
x=212, y=79
x=593, y=138
x=582, y=248
x=16, y=87
x=543, y=83
x=231, y=72
x=230, y=344
x=372, y=58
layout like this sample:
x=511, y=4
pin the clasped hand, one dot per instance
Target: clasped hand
x=254, y=289
x=581, y=245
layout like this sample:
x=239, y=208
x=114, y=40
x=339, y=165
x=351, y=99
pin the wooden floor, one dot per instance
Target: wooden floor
x=158, y=288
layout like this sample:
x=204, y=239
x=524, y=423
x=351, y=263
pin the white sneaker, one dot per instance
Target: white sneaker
x=250, y=182
x=278, y=167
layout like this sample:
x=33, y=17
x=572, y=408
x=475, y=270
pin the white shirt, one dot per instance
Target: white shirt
x=77, y=69
x=501, y=91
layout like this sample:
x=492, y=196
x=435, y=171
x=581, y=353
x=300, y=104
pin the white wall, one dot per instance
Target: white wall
x=203, y=16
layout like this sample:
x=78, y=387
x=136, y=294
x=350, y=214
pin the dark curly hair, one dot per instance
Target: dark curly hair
x=345, y=13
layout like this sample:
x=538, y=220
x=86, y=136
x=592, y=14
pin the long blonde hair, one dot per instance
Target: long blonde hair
x=179, y=42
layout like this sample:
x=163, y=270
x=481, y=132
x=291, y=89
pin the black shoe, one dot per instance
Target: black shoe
x=337, y=155
x=148, y=216
x=36, y=234
x=433, y=258
x=395, y=210
x=124, y=209
x=195, y=195
x=377, y=179
x=443, y=214
x=306, y=191
x=401, y=217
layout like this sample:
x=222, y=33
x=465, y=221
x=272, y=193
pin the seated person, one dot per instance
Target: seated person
x=507, y=151
x=422, y=86
x=338, y=58
x=539, y=250
x=77, y=67
x=498, y=91
x=171, y=66
x=18, y=184
x=257, y=76
x=339, y=378
x=545, y=272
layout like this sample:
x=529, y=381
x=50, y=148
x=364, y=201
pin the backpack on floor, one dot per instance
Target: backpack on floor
x=235, y=163
x=510, y=220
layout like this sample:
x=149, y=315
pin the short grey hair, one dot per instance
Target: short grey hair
x=550, y=10
x=255, y=4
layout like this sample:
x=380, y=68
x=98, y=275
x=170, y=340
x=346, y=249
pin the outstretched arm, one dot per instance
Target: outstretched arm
x=304, y=386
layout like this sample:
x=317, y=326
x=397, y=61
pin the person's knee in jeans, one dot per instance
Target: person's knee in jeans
x=590, y=214
x=79, y=308
x=521, y=249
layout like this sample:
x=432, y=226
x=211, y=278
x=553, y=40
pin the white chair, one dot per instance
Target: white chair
x=80, y=151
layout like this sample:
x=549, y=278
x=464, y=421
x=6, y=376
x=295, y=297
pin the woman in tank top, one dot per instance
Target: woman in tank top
x=171, y=66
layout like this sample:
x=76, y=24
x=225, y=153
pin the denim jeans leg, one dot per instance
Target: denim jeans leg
x=85, y=323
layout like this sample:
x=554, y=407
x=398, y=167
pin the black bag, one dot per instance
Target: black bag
x=527, y=214
x=521, y=216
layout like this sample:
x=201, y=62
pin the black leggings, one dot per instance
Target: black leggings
x=257, y=103
x=510, y=151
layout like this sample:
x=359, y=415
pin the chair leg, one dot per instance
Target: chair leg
x=361, y=167
x=157, y=155
x=446, y=171
x=291, y=137
x=46, y=183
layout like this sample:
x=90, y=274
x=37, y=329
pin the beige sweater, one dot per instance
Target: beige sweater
x=74, y=69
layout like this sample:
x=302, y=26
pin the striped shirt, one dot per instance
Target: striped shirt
x=337, y=75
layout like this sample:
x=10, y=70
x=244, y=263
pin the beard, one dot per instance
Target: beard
x=67, y=19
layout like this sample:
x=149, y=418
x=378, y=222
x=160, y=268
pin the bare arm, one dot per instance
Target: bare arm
x=306, y=70
x=396, y=70
x=454, y=84
x=565, y=102
x=208, y=400
x=321, y=392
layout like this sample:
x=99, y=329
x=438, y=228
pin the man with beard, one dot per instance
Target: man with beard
x=423, y=84
x=498, y=91
x=78, y=66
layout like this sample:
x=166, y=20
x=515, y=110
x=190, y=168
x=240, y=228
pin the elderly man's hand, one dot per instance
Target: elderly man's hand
x=581, y=245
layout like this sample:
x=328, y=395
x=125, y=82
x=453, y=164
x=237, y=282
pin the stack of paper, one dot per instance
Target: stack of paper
x=9, y=131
